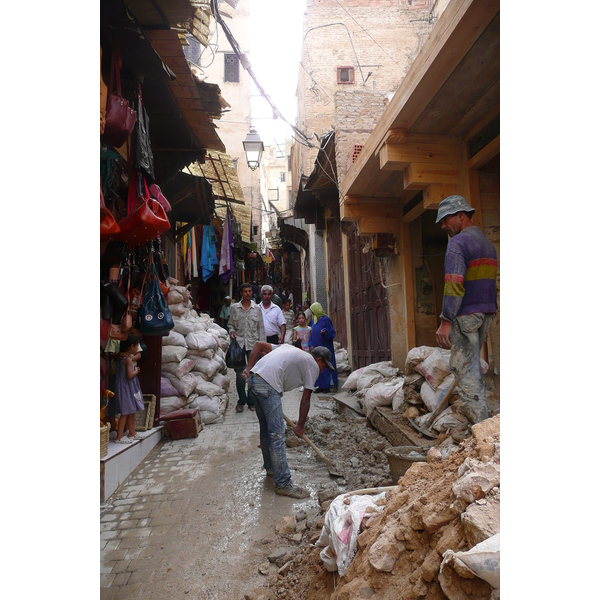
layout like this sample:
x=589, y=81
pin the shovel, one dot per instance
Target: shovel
x=426, y=428
x=317, y=451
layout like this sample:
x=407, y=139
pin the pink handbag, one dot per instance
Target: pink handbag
x=156, y=193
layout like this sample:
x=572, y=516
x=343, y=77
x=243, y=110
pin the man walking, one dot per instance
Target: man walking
x=273, y=318
x=281, y=369
x=246, y=326
x=469, y=303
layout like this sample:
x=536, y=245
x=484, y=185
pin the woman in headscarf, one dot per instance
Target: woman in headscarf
x=322, y=334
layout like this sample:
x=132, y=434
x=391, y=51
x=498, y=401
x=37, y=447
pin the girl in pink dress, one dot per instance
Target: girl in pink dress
x=302, y=332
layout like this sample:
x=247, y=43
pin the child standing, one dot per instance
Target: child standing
x=302, y=332
x=128, y=391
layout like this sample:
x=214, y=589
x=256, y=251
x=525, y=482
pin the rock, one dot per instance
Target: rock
x=385, y=551
x=264, y=568
x=411, y=413
x=286, y=526
x=277, y=554
x=431, y=566
x=297, y=538
x=481, y=520
x=285, y=569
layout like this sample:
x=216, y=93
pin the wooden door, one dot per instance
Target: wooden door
x=369, y=310
x=336, y=306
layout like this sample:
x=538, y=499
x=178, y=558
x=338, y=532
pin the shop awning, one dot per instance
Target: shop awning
x=180, y=109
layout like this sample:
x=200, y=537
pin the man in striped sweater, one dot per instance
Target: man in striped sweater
x=469, y=303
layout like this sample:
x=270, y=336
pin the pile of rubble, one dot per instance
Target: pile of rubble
x=434, y=535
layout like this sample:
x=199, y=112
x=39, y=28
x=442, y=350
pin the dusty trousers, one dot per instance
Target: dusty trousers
x=467, y=336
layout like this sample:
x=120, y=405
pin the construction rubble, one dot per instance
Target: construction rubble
x=434, y=533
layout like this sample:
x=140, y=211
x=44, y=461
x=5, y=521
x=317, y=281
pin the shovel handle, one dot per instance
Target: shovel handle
x=441, y=406
x=307, y=440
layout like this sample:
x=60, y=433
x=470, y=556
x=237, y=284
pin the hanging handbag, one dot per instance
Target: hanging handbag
x=144, y=221
x=156, y=193
x=155, y=316
x=142, y=150
x=120, y=118
x=109, y=228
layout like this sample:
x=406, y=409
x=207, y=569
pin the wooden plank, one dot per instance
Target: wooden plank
x=399, y=156
x=434, y=193
x=420, y=175
x=354, y=200
x=396, y=429
x=474, y=197
x=485, y=154
x=414, y=212
x=374, y=225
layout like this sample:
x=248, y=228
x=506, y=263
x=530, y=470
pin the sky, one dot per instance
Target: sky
x=275, y=57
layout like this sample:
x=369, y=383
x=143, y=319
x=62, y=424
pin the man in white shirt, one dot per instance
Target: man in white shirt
x=281, y=369
x=273, y=318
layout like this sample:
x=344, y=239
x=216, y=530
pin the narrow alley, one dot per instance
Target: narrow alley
x=198, y=517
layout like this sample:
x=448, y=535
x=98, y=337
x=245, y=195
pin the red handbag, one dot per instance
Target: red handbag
x=145, y=221
x=120, y=118
x=109, y=228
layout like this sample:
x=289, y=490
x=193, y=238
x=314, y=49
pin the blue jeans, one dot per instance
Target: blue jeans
x=269, y=411
x=240, y=385
x=467, y=336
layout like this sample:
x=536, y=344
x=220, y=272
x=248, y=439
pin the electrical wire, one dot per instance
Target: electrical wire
x=248, y=67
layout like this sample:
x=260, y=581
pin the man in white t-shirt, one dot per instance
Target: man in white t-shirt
x=281, y=369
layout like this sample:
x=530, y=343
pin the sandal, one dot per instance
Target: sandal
x=251, y=408
x=239, y=408
x=123, y=440
x=137, y=436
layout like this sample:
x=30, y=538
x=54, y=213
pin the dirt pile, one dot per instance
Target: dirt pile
x=444, y=504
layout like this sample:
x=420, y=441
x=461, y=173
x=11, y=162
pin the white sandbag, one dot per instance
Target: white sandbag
x=381, y=394
x=223, y=403
x=200, y=340
x=222, y=380
x=207, y=366
x=183, y=326
x=177, y=310
x=199, y=326
x=209, y=417
x=415, y=356
x=167, y=388
x=185, y=385
x=207, y=388
x=170, y=404
x=448, y=419
x=218, y=330
x=174, y=297
x=342, y=527
x=431, y=398
x=341, y=360
x=385, y=368
x=350, y=383
x=368, y=379
x=173, y=354
x=179, y=369
x=398, y=399
x=435, y=368
x=174, y=339
x=483, y=560
x=204, y=403
x=209, y=353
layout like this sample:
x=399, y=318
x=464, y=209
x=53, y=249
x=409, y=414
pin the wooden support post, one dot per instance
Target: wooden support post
x=409, y=298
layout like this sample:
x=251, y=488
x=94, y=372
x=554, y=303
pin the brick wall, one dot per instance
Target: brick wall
x=378, y=38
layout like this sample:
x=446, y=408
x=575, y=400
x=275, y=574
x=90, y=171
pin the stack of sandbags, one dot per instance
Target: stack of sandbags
x=341, y=358
x=193, y=372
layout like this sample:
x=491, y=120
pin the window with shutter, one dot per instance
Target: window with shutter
x=345, y=74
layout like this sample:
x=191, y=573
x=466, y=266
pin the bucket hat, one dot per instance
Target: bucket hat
x=451, y=205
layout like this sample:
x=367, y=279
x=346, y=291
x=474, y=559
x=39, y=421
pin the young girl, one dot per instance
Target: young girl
x=128, y=391
x=302, y=332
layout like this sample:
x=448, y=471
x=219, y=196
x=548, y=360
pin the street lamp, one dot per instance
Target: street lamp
x=273, y=230
x=253, y=147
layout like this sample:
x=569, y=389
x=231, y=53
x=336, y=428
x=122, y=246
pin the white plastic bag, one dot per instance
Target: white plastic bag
x=483, y=560
x=341, y=528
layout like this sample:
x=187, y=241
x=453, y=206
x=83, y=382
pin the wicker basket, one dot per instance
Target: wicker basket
x=104, y=431
x=144, y=419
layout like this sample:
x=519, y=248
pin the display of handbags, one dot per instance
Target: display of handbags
x=120, y=117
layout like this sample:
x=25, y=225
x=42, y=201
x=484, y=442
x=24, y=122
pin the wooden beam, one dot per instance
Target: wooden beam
x=413, y=213
x=419, y=175
x=433, y=194
x=409, y=298
x=474, y=197
x=374, y=224
x=351, y=199
x=485, y=154
x=394, y=157
x=383, y=210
